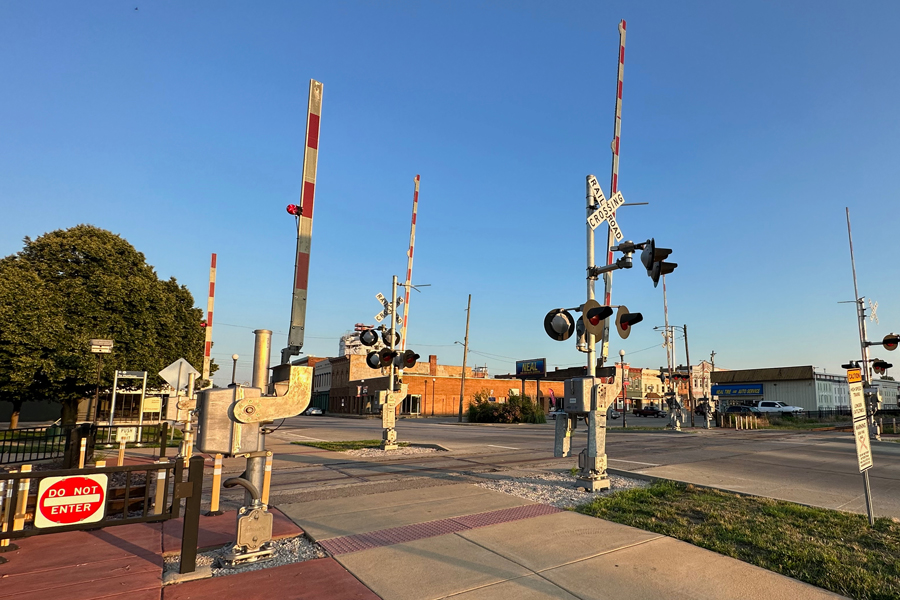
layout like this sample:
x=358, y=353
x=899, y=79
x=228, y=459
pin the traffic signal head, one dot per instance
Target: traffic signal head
x=373, y=360
x=293, y=209
x=881, y=366
x=368, y=337
x=594, y=316
x=559, y=324
x=406, y=360
x=387, y=334
x=653, y=257
x=202, y=322
x=624, y=321
x=891, y=341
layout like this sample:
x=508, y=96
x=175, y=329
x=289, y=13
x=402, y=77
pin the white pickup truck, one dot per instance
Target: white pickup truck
x=767, y=406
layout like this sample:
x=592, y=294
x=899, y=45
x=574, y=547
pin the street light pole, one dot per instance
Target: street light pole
x=235, y=358
x=624, y=404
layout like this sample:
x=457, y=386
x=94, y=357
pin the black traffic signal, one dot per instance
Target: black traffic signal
x=369, y=337
x=406, y=360
x=559, y=324
x=386, y=337
x=880, y=366
x=594, y=315
x=624, y=321
x=653, y=258
x=891, y=341
x=382, y=358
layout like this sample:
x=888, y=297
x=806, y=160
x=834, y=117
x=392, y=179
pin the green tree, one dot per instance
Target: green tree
x=75, y=284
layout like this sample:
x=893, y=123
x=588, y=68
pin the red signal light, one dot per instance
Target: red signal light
x=293, y=209
x=203, y=323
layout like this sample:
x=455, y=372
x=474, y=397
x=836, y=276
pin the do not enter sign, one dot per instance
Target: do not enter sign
x=70, y=500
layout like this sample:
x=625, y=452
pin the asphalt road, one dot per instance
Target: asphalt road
x=812, y=468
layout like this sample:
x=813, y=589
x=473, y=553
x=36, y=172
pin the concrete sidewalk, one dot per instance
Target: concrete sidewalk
x=469, y=543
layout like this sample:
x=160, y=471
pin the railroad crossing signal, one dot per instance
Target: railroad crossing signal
x=606, y=209
x=880, y=366
x=891, y=341
x=625, y=320
x=559, y=324
x=388, y=309
x=594, y=316
x=653, y=258
x=407, y=360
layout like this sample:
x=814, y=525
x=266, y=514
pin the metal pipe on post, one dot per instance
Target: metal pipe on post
x=262, y=351
x=462, y=382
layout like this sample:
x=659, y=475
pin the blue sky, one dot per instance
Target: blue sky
x=748, y=127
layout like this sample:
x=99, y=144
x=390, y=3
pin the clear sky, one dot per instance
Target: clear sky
x=748, y=127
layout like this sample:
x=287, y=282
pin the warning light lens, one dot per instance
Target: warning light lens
x=595, y=320
x=293, y=209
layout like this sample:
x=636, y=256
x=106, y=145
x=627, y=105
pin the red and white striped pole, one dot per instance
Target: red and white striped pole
x=210, y=302
x=409, y=264
x=304, y=216
x=614, y=187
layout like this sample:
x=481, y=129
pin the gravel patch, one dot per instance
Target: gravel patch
x=287, y=551
x=555, y=489
x=379, y=453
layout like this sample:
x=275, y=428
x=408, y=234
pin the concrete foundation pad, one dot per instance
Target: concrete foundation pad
x=431, y=568
x=554, y=540
x=671, y=569
x=175, y=577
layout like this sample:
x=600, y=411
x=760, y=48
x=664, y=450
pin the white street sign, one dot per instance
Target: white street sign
x=126, y=434
x=860, y=422
x=607, y=212
x=176, y=374
x=388, y=309
x=863, y=446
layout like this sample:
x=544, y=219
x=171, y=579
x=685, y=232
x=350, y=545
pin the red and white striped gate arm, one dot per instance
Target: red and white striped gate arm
x=409, y=264
x=614, y=186
x=210, y=301
x=305, y=219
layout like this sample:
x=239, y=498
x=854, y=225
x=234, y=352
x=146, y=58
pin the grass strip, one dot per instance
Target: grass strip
x=353, y=445
x=833, y=550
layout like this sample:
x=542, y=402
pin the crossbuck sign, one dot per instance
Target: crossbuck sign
x=606, y=210
x=388, y=309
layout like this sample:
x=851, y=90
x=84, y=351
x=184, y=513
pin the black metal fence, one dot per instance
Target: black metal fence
x=135, y=494
x=147, y=435
x=32, y=443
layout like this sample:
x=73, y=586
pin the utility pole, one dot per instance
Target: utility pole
x=863, y=344
x=462, y=379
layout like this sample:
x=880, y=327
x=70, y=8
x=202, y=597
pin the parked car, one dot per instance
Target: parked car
x=554, y=413
x=313, y=410
x=613, y=414
x=742, y=410
x=768, y=406
x=648, y=411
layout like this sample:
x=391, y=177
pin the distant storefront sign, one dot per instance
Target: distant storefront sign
x=534, y=368
x=737, y=390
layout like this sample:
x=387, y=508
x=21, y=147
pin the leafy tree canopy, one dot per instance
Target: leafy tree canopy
x=72, y=285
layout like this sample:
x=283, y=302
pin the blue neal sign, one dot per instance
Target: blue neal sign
x=531, y=369
x=738, y=390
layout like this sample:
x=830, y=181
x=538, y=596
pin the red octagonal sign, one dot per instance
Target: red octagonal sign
x=70, y=500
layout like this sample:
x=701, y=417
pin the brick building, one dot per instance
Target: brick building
x=433, y=389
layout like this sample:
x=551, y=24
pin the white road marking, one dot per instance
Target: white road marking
x=505, y=447
x=306, y=437
x=635, y=462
